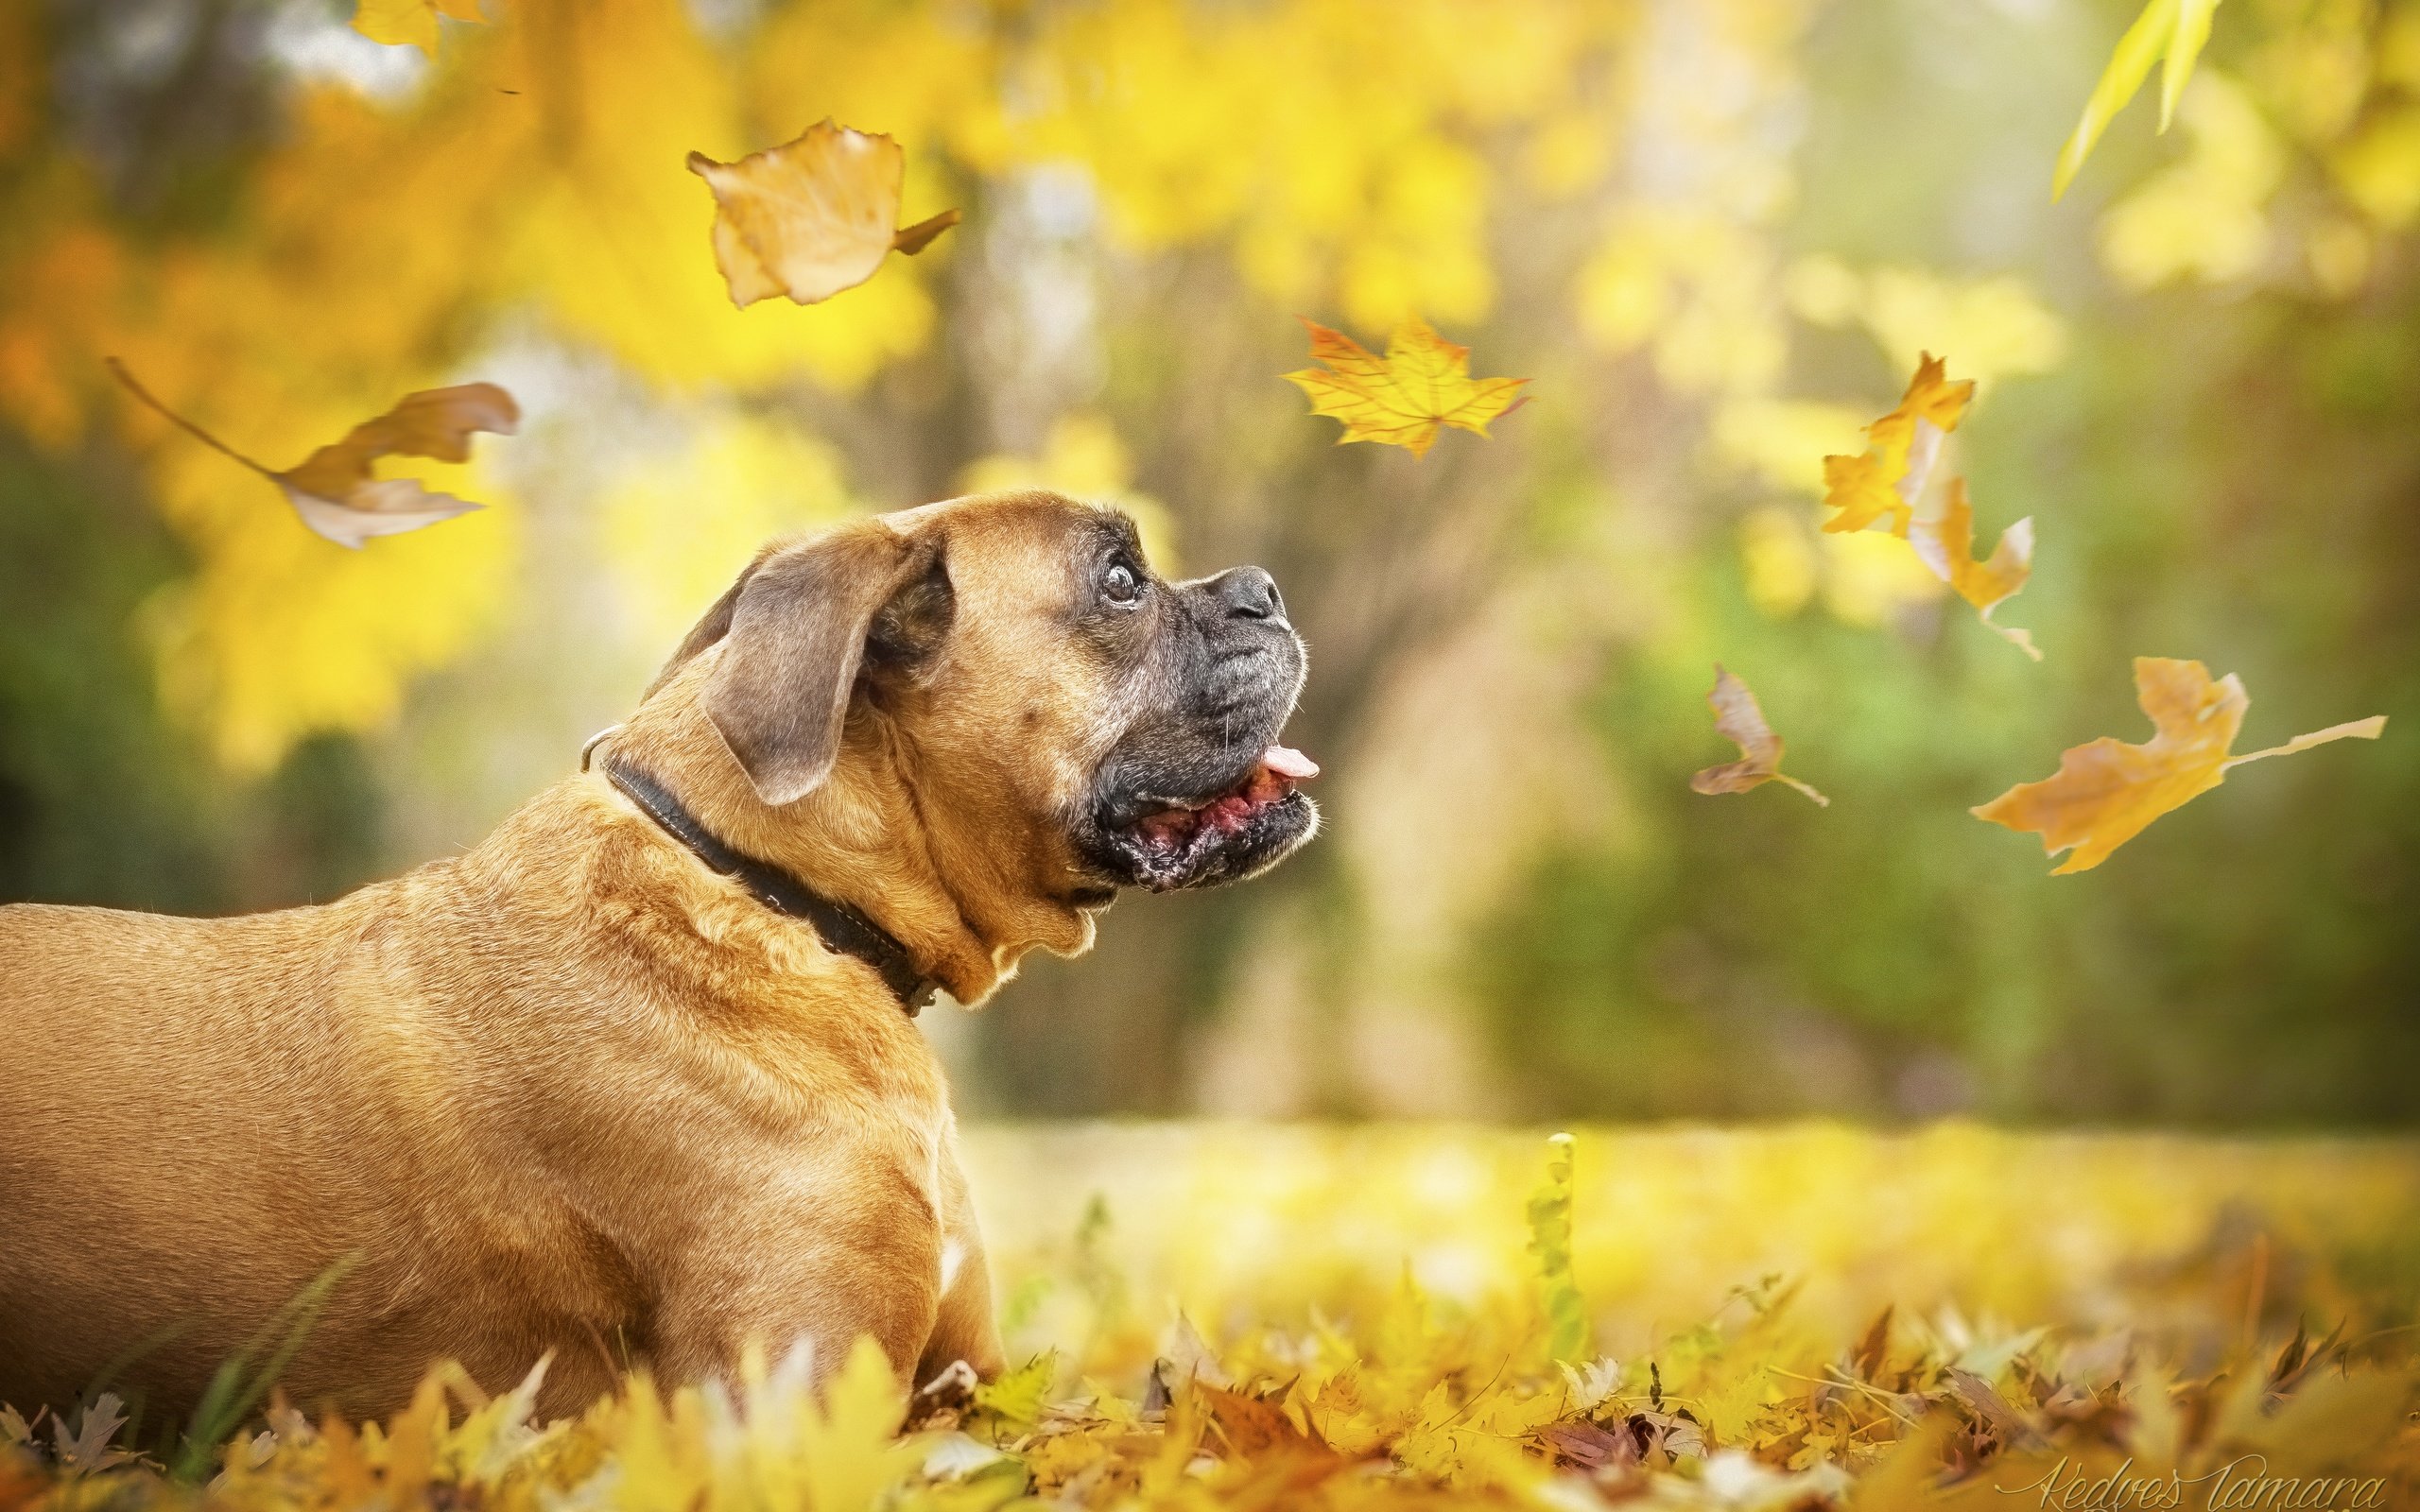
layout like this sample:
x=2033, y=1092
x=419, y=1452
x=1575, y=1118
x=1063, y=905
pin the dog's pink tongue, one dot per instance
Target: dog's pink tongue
x=1287, y=761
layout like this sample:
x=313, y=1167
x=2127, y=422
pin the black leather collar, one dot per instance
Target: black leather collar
x=842, y=928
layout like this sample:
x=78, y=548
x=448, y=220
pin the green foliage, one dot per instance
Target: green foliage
x=100, y=800
x=1550, y=1212
x=242, y=1382
x=1017, y=1396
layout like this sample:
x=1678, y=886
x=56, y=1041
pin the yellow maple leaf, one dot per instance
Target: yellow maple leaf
x=1404, y=399
x=2107, y=792
x=333, y=489
x=1947, y=546
x=1737, y=718
x=2171, y=29
x=812, y=216
x=409, y=22
x=851, y=1446
x=1901, y=448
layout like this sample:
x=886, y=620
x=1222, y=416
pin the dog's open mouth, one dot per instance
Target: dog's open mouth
x=1177, y=828
x=1221, y=837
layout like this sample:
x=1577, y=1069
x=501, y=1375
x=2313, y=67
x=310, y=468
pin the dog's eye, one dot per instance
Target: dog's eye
x=1120, y=584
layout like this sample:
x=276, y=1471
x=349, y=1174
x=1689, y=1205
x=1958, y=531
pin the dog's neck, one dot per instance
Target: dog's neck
x=867, y=838
x=844, y=930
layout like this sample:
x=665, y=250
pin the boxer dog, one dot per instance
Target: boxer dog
x=635, y=1081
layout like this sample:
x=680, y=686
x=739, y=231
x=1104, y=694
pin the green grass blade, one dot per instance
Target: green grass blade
x=1549, y=1209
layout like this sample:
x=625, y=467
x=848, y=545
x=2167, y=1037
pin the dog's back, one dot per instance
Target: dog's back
x=199, y=1118
x=162, y=1156
x=441, y=1084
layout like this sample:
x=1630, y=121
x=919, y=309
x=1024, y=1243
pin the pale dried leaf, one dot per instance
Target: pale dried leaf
x=812, y=216
x=1738, y=719
x=1947, y=545
x=335, y=493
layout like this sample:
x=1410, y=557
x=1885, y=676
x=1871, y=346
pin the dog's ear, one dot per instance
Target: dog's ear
x=795, y=632
x=710, y=629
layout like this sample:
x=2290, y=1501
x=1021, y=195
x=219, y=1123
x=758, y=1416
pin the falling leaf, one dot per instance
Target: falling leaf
x=812, y=216
x=1947, y=546
x=1901, y=448
x=2105, y=792
x=2173, y=29
x=1423, y=383
x=413, y=23
x=333, y=489
x=1737, y=719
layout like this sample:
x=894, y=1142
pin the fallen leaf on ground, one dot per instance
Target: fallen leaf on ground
x=1901, y=448
x=1397, y=1400
x=333, y=489
x=848, y=1450
x=1873, y=1348
x=1737, y=719
x=812, y=216
x=1404, y=399
x=88, y=1449
x=1017, y=1395
x=1947, y=546
x=1252, y=1427
x=1588, y=1446
x=409, y=22
x=2107, y=792
x=2172, y=29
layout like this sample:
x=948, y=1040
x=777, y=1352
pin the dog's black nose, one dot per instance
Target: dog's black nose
x=1247, y=594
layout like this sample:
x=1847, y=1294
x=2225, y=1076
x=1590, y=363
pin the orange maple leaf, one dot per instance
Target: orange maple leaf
x=2107, y=792
x=812, y=216
x=1254, y=1427
x=1901, y=448
x=333, y=489
x=1947, y=546
x=1737, y=718
x=1404, y=399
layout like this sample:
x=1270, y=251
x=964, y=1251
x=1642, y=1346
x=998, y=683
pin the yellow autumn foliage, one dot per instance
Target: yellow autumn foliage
x=531, y=174
x=1227, y=1317
x=681, y=522
x=1344, y=154
x=529, y=187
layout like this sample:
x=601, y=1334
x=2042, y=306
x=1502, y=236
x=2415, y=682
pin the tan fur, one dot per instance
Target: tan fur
x=570, y=1092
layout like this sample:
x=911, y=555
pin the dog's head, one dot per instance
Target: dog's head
x=1063, y=718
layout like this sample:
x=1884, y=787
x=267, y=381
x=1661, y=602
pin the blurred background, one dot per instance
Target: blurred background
x=1715, y=233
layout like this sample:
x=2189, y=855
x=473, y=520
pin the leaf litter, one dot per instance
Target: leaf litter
x=1424, y=1403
